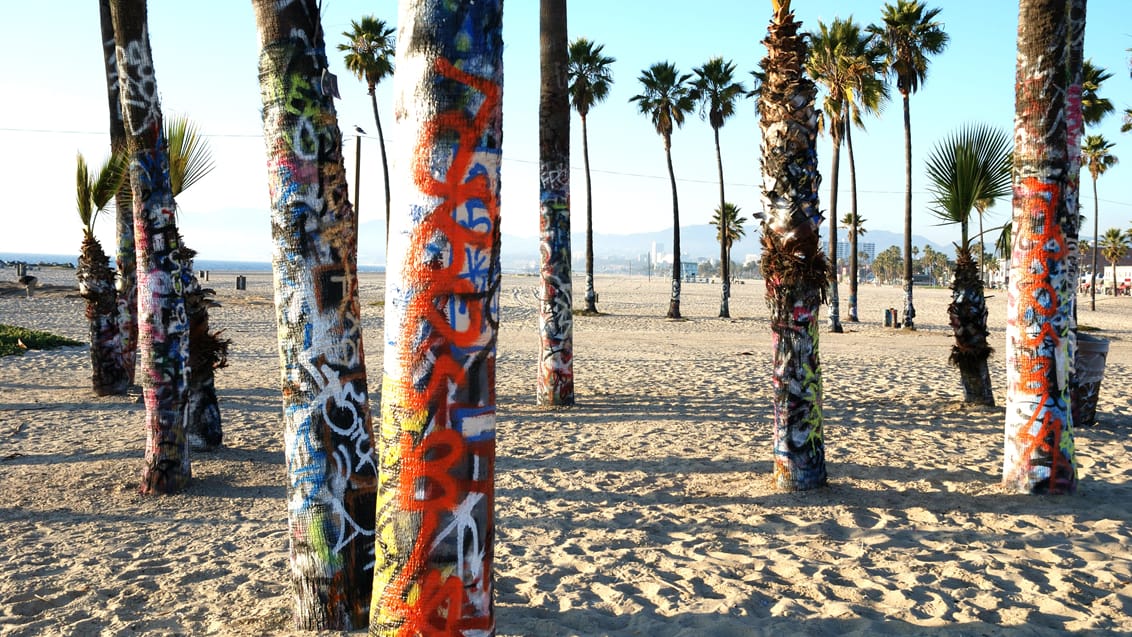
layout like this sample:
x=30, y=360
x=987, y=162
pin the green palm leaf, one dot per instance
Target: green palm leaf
x=966, y=170
x=190, y=158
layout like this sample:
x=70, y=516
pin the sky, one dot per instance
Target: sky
x=206, y=58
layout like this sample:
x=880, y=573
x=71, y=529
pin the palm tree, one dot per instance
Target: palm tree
x=327, y=432
x=189, y=161
x=1114, y=245
x=715, y=90
x=728, y=228
x=909, y=34
x=856, y=230
x=829, y=64
x=555, y=385
x=666, y=99
x=867, y=92
x=126, y=280
x=164, y=335
x=1095, y=151
x=967, y=169
x=1038, y=430
x=793, y=265
x=435, y=525
x=95, y=190
x=590, y=79
x=370, y=47
x=1126, y=126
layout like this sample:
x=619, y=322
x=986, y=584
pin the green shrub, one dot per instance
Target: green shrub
x=10, y=336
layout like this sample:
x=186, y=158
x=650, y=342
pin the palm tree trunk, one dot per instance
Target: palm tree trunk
x=384, y=162
x=126, y=281
x=1039, y=455
x=95, y=285
x=724, y=234
x=207, y=353
x=909, y=309
x=327, y=433
x=795, y=269
x=674, y=301
x=968, y=314
x=555, y=385
x=853, y=229
x=163, y=326
x=1096, y=249
x=435, y=526
x=591, y=293
x=834, y=301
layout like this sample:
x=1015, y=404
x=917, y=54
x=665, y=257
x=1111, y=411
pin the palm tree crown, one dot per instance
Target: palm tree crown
x=666, y=98
x=370, y=50
x=909, y=35
x=715, y=90
x=1095, y=151
x=95, y=190
x=1094, y=108
x=848, y=64
x=589, y=73
x=730, y=220
x=968, y=169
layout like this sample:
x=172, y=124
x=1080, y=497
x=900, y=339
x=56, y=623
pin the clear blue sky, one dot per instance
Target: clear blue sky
x=206, y=67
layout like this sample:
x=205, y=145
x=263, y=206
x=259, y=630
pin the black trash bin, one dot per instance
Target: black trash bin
x=1084, y=393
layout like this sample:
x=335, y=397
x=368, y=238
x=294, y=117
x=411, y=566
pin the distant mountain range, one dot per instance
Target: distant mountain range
x=696, y=242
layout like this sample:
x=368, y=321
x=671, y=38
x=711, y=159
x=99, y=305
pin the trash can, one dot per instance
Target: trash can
x=1084, y=393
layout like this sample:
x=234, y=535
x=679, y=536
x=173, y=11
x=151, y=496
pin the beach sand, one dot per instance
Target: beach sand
x=647, y=509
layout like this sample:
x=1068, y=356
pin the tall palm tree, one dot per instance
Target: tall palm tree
x=1098, y=158
x=590, y=79
x=910, y=34
x=164, y=335
x=830, y=62
x=126, y=277
x=327, y=432
x=1114, y=245
x=793, y=265
x=1038, y=430
x=666, y=98
x=95, y=190
x=370, y=47
x=728, y=227
x=555, y=385
x=716, y=91
x=965, y=170
x=435, y=522
x=867, y=93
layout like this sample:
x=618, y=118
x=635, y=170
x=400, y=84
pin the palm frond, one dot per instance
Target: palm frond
x=968, y=169
x=82, y=193
x=110, y=179
x=190, y=158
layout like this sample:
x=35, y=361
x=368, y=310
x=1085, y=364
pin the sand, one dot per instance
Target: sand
x=645, y=510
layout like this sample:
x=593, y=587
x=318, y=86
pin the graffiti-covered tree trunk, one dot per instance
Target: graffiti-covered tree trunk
x=1074, y=128
x=436, y=528
x=163, y=330
x=795, y=269
x=1039, y=448
x=968, y=314
x=207, y=353
x=126, y=282
x=556, y=318
x=97, y=287
x=327, y=432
